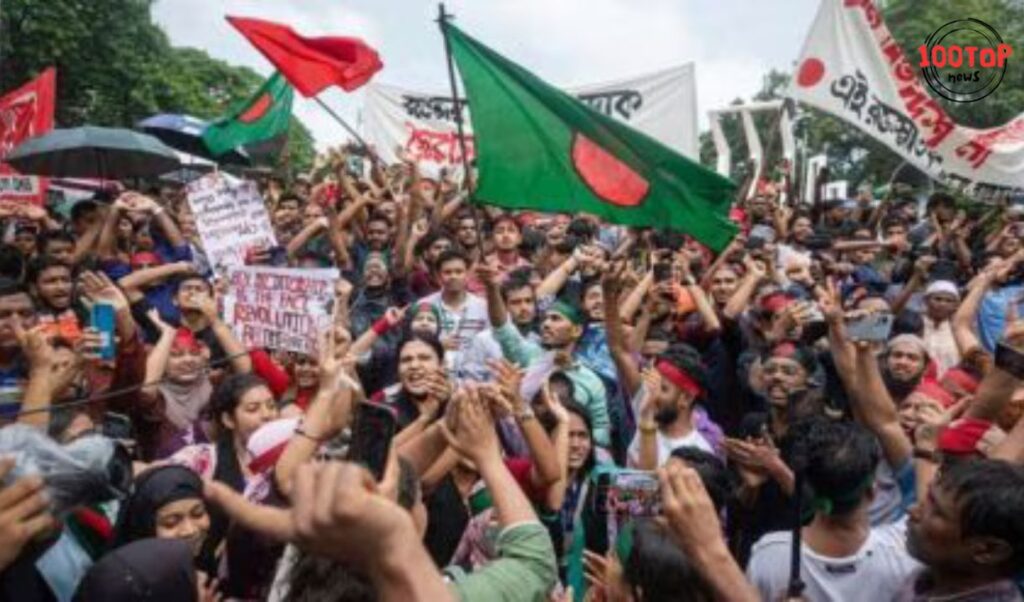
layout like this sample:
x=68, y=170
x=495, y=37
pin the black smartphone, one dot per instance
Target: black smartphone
x=944, y=269
x=374, y=427
x=662, y=271
x=819, y=242
x=117, y=426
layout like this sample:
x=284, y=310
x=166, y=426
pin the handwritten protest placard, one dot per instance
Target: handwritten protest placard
x=231, y=218
x=280, y=308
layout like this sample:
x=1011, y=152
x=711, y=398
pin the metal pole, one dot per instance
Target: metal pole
x=348, y=128
x=442, y=19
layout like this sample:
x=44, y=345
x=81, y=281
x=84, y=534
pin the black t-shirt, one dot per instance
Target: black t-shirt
x=447, y=518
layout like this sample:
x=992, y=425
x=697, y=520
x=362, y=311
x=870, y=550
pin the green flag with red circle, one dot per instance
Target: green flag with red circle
x=539, y=148
x=259, y=124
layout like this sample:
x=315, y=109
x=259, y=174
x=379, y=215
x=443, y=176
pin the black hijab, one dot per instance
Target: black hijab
x=152, y=570
x=154, y=489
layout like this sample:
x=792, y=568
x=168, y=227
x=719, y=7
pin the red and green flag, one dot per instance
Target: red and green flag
x=539, y=148
x=259, y=124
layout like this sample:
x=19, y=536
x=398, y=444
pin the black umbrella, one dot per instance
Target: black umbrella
x=93, y=152
x=185, y=133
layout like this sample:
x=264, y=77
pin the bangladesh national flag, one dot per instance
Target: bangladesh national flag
x=539, y=148
x=259, y=124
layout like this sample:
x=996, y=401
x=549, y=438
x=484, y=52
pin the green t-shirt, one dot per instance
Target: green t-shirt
x=525, y=569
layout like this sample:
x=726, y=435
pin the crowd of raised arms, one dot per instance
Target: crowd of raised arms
x=582, y=411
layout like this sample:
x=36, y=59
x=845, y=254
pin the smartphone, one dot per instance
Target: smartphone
x=662, y=271
x=819, y=242
x=374, y=427
x=117, y=426
x=104, y=320
x=628, y=493
x=944, y=269
x=874, y=328
x=354, y=166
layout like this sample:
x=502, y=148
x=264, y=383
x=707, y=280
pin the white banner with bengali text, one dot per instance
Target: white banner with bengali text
x=662, y=105
x=853, y=68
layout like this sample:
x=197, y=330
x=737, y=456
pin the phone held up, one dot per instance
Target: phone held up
x=104, y=320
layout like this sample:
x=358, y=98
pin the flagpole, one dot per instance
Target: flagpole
x=442, y=18
x=348, y=128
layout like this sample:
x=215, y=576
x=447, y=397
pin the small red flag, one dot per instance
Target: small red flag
x=311, y=64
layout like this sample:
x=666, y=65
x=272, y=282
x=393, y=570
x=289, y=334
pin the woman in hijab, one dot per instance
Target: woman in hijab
x=167, y=504
x=177, y=376
x=156, y=570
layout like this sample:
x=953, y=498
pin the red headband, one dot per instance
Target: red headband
x=776, y=302
x=185, y=338
x=679, y=378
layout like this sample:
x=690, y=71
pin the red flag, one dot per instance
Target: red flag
x=311, y=64
x=25, y=113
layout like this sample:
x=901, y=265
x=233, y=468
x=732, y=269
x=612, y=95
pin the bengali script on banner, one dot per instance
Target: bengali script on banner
x=25, y=113
x=421, y=125
x=852, y=67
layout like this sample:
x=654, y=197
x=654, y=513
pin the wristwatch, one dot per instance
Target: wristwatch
x=526, y=413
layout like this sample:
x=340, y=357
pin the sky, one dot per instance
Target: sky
x=566, y=42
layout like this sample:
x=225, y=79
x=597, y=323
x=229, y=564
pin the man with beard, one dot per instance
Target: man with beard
x=560, y=333
x=787, y=379
x=969, y=533
x=904, y=363
x=842, y=557
x=666, y=409
x=379, y=290
x=50, y=282
x=941, y=299
x=467, y=234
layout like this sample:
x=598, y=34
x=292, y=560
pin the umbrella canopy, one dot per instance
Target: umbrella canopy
x=93, y=152
x=185, y=133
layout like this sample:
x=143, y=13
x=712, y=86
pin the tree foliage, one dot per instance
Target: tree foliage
x=116, y=67
x=853, y=155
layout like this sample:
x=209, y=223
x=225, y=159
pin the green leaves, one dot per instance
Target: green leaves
x=115, y=66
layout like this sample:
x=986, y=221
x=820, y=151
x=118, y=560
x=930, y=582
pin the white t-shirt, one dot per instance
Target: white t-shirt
x=875, y=573
x=461, y=323
x=667, y=444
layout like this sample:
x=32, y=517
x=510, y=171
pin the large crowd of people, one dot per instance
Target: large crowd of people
x=829, y=409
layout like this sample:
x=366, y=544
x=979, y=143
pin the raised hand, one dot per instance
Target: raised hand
x=156, y=320
x=23, y=513
x=475, y=438
x=337, y=512
x=688, y=508
x=487, y=273
x=34, y=346
x=923, y=266
x=395, y=315
x=99, y=287
x=554, y=405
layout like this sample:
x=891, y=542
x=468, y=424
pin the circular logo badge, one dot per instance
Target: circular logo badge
x=964, y=60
